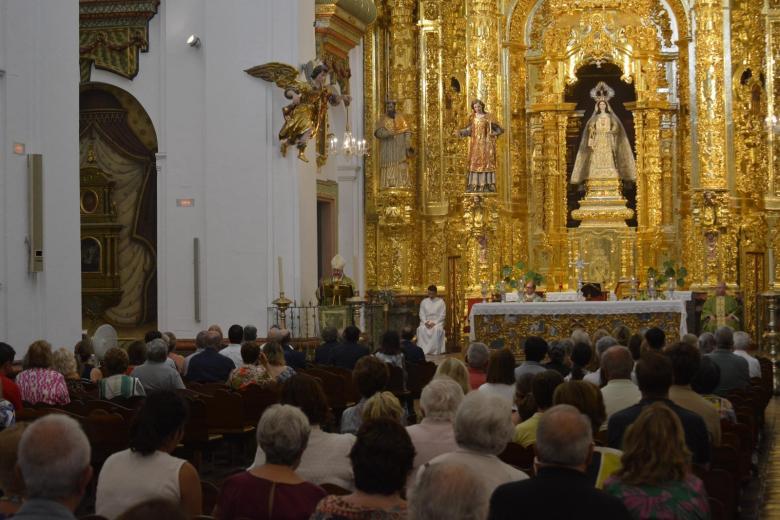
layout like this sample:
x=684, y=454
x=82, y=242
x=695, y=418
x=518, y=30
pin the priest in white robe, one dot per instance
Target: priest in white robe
x=430, y=333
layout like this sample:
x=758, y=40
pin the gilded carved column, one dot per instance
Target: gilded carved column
x=397, y=251
x=686, y=159
x=772, y=183
x=432, y=178
x=750, y=151
x=712, y=215
x=548, y=210
x=482, y=51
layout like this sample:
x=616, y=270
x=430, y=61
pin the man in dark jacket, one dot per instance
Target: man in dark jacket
x=348, y=353
x=323, y=354
x=209, y=366
x=412, y=353
x=560, y=489
x=292, y=357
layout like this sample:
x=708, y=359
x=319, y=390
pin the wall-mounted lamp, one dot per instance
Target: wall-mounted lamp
x=193, y=40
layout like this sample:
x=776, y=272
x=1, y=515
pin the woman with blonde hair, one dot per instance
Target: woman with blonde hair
x=383, y=405
x=656, y=479
x=277, y=367
x=456, y=370
x=587, y=398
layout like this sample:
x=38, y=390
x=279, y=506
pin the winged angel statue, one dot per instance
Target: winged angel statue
x=307, y=113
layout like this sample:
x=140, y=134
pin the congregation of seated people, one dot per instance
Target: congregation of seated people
x=600, y=424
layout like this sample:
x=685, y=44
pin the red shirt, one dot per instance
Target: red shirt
x=476, y=377
x=11, y=393
x=246, y=496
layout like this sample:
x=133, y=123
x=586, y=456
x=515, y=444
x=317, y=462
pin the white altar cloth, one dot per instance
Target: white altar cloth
x=558, y=308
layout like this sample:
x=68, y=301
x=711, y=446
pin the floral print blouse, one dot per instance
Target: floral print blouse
x=43, y=385
x=680, y=499
x=246, y=375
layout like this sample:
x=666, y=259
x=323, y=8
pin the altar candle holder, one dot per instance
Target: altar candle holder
x=282, y=303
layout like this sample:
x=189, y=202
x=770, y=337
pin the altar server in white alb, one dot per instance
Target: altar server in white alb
x=430, y=333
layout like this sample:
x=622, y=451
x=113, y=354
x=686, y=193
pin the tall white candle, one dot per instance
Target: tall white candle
x=281, y=274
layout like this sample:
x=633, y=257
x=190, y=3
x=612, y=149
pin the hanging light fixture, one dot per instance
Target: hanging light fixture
x=350, y=145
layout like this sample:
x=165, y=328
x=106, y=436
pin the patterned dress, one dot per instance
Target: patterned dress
x=246, y=375
x=43, y=385
x=335, y=507
x=7, y=414
x=680, y=499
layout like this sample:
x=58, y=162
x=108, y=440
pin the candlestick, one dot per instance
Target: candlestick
x=281, y=274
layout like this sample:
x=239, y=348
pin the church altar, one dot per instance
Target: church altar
x=511, y=322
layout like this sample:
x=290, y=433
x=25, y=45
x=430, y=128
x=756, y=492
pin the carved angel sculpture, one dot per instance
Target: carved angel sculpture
x=307, y=114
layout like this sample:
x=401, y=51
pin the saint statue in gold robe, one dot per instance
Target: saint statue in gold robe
x=395, y=148
x=483, y=130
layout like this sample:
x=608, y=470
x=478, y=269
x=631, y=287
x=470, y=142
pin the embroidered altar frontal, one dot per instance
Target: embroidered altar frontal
x=508, y=324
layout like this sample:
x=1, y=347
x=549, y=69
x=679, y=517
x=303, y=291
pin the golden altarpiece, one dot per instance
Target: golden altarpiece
x=700, y=92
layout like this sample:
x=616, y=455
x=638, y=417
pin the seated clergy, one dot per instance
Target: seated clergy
x=430, y=333
x=721, y=310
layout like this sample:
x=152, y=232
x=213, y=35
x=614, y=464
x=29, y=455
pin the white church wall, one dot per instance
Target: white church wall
x=217, y=130
x=39, y=109
x=348, y=173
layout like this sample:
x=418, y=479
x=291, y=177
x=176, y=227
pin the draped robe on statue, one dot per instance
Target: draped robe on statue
x=483, y=130
x=605, y=152
x=395, y=139
x=719, y=309
x=432, y=340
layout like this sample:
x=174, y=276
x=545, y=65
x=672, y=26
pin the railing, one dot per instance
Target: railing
x=301, y=321
x=307, y=321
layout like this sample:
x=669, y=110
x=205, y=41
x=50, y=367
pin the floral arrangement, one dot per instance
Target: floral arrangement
x=513, y=276
x=669, y=270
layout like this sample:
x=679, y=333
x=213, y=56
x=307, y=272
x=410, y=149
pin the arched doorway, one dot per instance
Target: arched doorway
x=117, y=144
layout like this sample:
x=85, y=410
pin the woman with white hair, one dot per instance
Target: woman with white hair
x=273, y=489
x=448, y=491
x=156, y=373
x=483, y=427
x=64, y=362
x=434, y=435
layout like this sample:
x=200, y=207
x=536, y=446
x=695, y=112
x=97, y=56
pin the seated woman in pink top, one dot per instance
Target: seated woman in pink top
x=38, y=383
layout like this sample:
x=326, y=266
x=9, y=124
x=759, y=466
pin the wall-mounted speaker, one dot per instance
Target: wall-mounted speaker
x=35, y=207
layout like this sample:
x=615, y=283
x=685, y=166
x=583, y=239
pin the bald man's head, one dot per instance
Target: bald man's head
x=54, y=456
x=617, y=363
x=213, y=340
x=564, y=438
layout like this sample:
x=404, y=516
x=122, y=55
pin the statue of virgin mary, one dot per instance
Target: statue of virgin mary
x=604, y=152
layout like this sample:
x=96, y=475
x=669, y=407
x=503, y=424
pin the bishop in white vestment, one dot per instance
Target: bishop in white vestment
x=430, y=333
